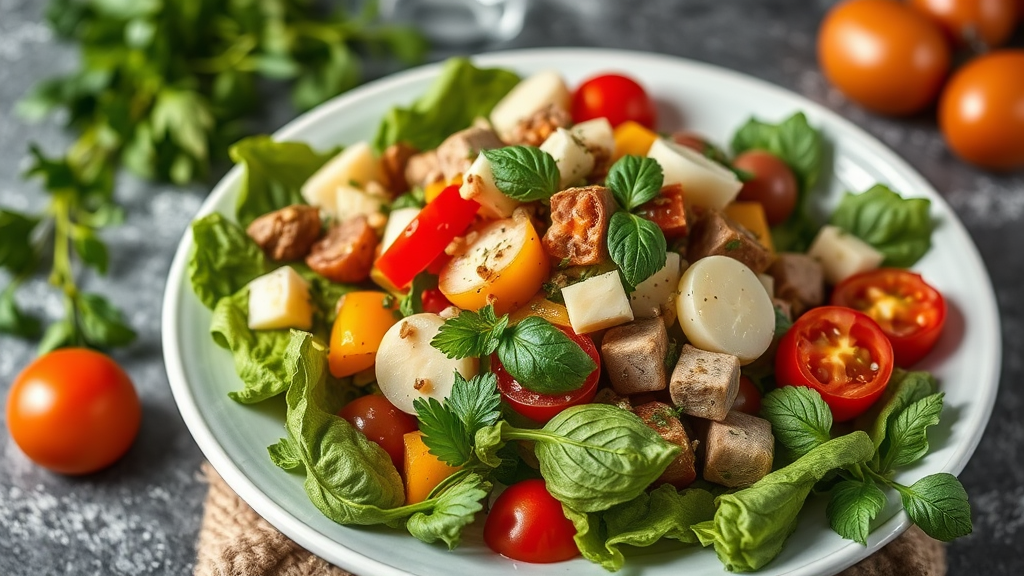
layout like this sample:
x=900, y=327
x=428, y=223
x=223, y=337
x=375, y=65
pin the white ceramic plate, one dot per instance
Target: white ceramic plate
x=707, y=99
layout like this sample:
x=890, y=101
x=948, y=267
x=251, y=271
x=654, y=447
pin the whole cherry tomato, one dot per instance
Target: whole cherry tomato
x=906, y=308
x=544, y=407
x=981, y=23
x=615, y=97
x=748, y=399
x=527, y=524
x=773, y=184
x=883, y=55
x=840, y=353
x=382, y=423
x=981, y=113
x=73, y=411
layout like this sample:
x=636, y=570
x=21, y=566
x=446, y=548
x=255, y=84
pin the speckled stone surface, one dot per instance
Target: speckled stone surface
x=141, y=516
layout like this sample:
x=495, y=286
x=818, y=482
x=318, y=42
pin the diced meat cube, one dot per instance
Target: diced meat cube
x=456, y=154
x=799, y=280
x=634, y=356
x=393, y=164
x=346, y=253
x=704, y=384
x=535, y=129
x=739, y=450
x=288, y=233
x=423, y=169
x=661, y=418
x=609, y=396
x=579, y=225
x=714, y=233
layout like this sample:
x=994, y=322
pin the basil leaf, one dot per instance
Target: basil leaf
x=900, y=228
x=938, y=505
x=101, y=323
x=17, y=255
x=907, y=436
x=636, y=245
x=751, y=525
x=523, y=172
x=801, y=420
x=904, y=389
x=635, y=180
x=853, y=506
x=470, y=333
x=543, y=359
x=224, y=259
x=90, y=249
x=13, y=320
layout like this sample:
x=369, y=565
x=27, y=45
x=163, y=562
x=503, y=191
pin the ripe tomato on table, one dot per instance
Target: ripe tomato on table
x=909, y=311
x=840, y=353
x=382, y=423
x=613, y=96
x=981, y=23
x=527, y=524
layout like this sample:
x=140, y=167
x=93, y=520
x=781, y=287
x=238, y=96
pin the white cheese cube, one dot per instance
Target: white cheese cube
x=656, y=296
x=397, y=221
x=354, y=167
x=842, y=255
x=769, y=284
x=351, y=202
x=478, y=184
x=527, y=98
x=574, y=161
x=596, y=133
x=596, y=303
x=280, y=299
x=706, y=183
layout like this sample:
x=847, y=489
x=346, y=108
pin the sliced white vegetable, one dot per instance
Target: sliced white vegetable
x=705, y=182
x=280, y=299
x=397, y=221
x=842, y=255
x=351, y=202
x=571, y=155
x=355, y=167
x=478, y=184
x=528, y=97
x=657, y=295
x=596, y=303
x=769, y=284
x=596, y=133
x=724, y=308
x=408, y=367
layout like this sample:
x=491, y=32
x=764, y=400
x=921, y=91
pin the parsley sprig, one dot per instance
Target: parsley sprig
x=449, y=428
x=635, y=244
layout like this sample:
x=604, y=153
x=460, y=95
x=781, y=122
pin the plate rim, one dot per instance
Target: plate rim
x=337, y=552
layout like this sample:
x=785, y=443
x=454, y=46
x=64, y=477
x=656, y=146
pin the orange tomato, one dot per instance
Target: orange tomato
x=423, y=470
x=363, y=319
x=981, y=113
x=987, y=23
x=883, y=55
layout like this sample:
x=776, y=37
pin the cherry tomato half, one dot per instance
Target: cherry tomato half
x=773, y=184
x=667, y=210
x=73, y=411
x=906, y=308
x=839, y=352
x=382, y=423
x=615, y=97
x=981, y=23
x=544, y=407
x=527, y=524
x=748, y=399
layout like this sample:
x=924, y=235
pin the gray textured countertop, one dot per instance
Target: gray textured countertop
x=142, y=515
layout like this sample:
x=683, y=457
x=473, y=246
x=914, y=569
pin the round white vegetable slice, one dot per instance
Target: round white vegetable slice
x=724, y=308
x=408, y=367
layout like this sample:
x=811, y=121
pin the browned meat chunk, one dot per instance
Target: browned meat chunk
x=661, y=418
x=714, y=233
x=799, y=280
x=457, y=152
x=534, y=130
x=704, y=384
x=579, y=225
x=739, y=450
x=288, y=233
x=634, y=356
x=394, y=162
x=423, y=169
x=346, y=253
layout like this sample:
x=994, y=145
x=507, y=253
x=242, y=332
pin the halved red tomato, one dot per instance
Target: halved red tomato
x=667, y=211
x=906, y=308
x=840, y=353
x=544, y=407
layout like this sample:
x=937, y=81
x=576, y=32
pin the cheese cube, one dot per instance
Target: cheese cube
x=596, y=303
x=596, y=134
x=656, y=296
x=354, y=167
x=543, y=89
x=478, y=184
x=842, y=255
x=706, y=183
x=280, y=299
x=574, y=161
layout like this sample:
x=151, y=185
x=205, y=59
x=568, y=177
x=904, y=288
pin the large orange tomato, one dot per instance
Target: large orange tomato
x=883, y=55
x=73, y=411
x=986, y=23
x=982, y=111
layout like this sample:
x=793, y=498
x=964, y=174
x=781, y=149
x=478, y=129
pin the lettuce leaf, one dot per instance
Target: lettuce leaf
x=459, y=95
x=900, y=228
x=224, y=259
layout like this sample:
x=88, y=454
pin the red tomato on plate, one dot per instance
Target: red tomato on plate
x=615, y=97
x=906, y=308
x=748, y=398
x=527, y=524
x=382, y=423
x=840, y=353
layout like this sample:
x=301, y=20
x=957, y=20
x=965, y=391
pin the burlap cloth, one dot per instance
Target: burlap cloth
x=235, y=541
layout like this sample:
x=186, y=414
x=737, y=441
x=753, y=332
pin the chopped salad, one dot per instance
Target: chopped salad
x=525, y=290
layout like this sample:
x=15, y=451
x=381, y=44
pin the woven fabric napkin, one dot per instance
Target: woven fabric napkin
x=235, y=541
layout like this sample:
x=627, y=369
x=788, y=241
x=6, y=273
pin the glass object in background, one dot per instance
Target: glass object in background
x=460, y=22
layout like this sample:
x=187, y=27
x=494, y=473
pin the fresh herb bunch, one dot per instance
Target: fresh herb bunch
x=165, y=86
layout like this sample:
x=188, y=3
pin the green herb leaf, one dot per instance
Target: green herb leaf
x=907, y=436
x=17, y=255
x=543, y=359
x=412, y=303
x=523, y=172
x=101, y=323
x=636, y=245
x=224, y=259
x=635, y=180
x=900, y=228
x=475, y=402
x=470, y=333
x=801, y=420
x=13, y=320
x=443, y=432
x=283, y=455
x=938, y=505
x=58, y=335
x=91, y=249
x=853, y=506
x=782, y=323
x=451, y=510
x=904, y=389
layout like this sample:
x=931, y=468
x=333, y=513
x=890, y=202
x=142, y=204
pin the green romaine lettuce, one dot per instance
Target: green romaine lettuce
x=900, y=228
x=224, y=259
